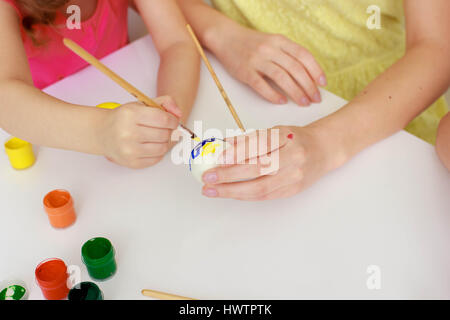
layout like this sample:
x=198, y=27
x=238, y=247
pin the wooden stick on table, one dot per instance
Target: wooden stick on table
x=216, y=79
x=163, y=295
x=115, y=77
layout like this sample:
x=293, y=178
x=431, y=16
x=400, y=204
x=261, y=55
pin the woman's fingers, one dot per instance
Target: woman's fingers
x=260, y=85
x=254, y=168
x=283, y=79
x=240, y=172
x=297, y=70
x=306, y=58
x=283, y=192
x=256, y=189
x=253, y=145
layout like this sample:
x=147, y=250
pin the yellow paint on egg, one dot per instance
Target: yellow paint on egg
x=210, y=147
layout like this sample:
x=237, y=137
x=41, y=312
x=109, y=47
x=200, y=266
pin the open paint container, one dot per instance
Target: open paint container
x=59, y=207
x=51, y=276
x=20, y=153
x=85, y=291
x=99, y=257
x=205, y=156
x=13, y=290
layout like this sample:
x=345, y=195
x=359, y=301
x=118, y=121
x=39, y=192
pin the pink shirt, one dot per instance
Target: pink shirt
x=104, y=32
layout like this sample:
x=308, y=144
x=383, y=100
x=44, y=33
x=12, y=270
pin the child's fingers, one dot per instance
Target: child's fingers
x=146, y=135
x=170, y=105
x=156, y=118
x=152, y=150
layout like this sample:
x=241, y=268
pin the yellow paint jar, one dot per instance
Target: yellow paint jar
x=109, y=105
x=20, y=153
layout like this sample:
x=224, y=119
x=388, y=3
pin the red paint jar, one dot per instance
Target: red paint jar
x=51, y=276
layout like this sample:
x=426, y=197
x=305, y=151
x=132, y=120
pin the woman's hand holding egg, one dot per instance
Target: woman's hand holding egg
x=275, y=170
x=137, y=136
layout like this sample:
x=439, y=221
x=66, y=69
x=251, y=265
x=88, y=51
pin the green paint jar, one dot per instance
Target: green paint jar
x=98, y=256
x=85, y=291
x=13, y=290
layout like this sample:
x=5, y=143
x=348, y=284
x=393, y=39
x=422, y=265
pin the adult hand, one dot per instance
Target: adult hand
x=303, y=155
x=256, y=58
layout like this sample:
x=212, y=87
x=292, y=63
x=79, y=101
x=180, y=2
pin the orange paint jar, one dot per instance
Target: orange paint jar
x=59, y=207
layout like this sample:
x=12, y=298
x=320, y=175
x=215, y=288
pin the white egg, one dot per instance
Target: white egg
x=205, y=156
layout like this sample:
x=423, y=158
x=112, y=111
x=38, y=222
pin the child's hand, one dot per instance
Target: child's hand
x=137, y=136
x=304, y=156
x=253, y=57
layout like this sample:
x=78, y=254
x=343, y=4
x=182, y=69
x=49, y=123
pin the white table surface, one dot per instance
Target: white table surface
x=389, y=206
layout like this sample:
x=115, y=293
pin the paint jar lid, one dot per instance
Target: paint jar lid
x=51, y=273
x=97, y=251
x=13, y=290
x=85, y=291
x=58, y=202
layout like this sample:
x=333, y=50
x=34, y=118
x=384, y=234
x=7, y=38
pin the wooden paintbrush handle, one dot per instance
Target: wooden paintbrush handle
x=163, y=295
x=111, y=74
x=216, y=79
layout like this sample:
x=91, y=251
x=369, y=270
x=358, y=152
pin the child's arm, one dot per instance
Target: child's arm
x=386, y=106
x=32, y=115
x=253, y=57
x=179, y=70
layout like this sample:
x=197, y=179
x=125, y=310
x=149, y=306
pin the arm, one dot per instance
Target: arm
x=253, y=57
x=383, y=108
x=29, y=113
x=32, y=115
x=179, y=71
x=403, y=91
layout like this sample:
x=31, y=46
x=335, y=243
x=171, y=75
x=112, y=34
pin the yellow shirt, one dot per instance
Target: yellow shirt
x=336, y=33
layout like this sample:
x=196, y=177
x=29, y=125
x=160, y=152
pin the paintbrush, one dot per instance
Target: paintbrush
x=216, y=79
x=162, y=295
x=116, y=78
